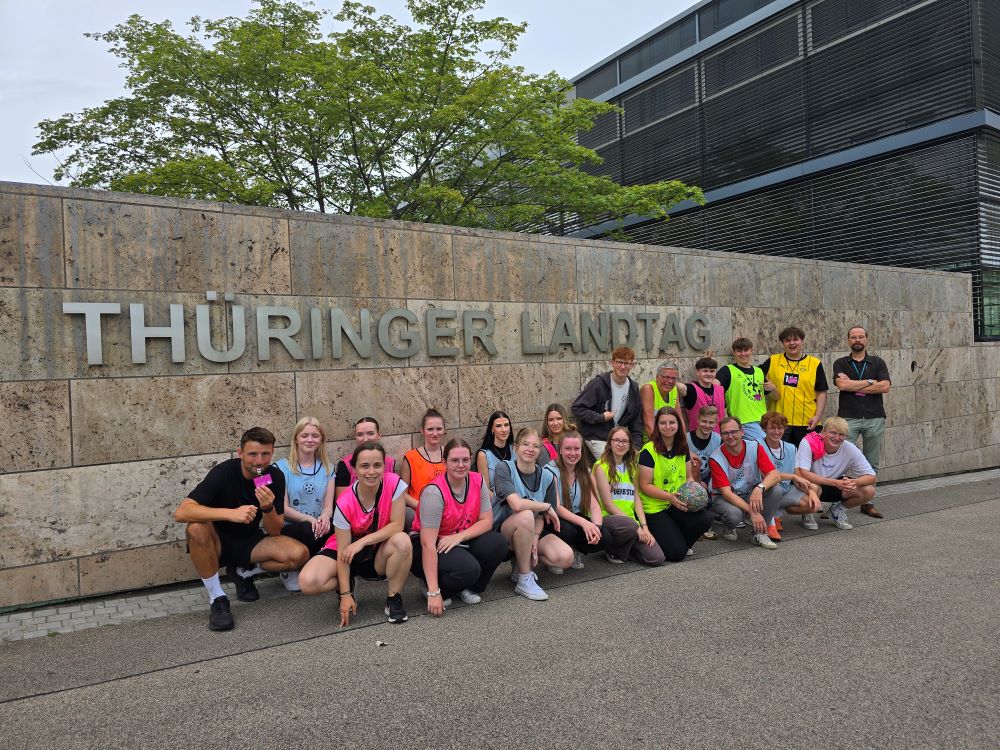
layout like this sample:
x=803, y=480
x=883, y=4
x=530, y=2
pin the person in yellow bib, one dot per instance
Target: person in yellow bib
x=746, y=388
x=659, y=392
x=665, y=465
x=799, y=385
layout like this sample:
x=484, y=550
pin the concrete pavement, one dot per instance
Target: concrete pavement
x=884, y=636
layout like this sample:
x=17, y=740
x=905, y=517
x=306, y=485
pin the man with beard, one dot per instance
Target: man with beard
x=862, y=378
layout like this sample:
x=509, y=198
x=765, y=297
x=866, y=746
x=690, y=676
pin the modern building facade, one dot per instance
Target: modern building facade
x=855, y=130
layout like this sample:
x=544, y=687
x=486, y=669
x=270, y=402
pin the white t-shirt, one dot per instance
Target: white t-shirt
x=619, y=395
x=847, y=461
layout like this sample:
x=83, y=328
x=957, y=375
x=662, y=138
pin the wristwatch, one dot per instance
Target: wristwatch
x=871, y=382
x=760, y=486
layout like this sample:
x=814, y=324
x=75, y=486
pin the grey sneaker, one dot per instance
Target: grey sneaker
x=290, y=580
x=554, y=570
x=613, y=560
x=528, y=587
x=690, y=552
x=577, y=561
x=470, y=597
x=728, y=534
x=839, y=515
x=809, y=522
x=763, y=540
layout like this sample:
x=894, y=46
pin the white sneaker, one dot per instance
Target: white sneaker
x=290, y=580
x=470, y=597
x=763, y=540
x=528, y=587
x=729, y=534
x=554, y=570
x=809, y=522
x=690, y=552
x=577, y=561
x=839, y=515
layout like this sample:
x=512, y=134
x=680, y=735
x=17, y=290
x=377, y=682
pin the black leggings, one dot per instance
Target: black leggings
x=676, y=531
x=464, y=568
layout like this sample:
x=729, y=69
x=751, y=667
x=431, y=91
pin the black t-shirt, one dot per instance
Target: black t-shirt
x=225, y=487
x=343, y=477
x=697, y=442
x=647, y=460
x=861, y=405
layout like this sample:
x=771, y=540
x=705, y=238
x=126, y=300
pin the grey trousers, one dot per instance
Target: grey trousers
x=774, y=500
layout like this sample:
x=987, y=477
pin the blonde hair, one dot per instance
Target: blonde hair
x=838, y=424
x=293, y=453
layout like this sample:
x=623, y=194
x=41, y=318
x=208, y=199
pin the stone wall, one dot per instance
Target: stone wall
x=93, y=459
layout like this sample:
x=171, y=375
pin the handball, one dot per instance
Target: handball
x=694, y=495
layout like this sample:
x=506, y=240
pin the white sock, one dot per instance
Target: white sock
x=214, y=588
x=249, y=572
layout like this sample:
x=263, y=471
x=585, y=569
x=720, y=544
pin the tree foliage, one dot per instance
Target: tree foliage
x=424, y=123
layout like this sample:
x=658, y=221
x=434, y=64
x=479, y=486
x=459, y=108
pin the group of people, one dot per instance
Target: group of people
x=617, y=474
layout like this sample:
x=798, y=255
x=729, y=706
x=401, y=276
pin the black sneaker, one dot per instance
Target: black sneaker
x=245, y=589
x=220, y=617
x=394, y=608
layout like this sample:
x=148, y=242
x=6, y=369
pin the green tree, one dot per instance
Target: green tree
x=429, y=123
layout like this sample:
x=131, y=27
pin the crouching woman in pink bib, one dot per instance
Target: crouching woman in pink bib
x=368, y=541
x=455, y=550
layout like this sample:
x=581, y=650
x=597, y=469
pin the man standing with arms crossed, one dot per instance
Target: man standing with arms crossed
x=862, y=378
x=799, y=385
x=223, y=516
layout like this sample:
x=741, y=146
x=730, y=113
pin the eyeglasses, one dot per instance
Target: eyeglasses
x=729, y=433
x=620, y=441
x=621, y=363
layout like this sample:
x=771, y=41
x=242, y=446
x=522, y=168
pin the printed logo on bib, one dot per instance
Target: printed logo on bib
x=791, y=380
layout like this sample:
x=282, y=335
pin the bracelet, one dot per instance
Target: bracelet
x=432, y=594
x=643, y=525
x=345, y=593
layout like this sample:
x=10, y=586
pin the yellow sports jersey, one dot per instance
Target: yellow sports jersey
x=795, y=384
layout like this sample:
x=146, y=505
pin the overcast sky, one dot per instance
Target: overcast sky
x=48, y=68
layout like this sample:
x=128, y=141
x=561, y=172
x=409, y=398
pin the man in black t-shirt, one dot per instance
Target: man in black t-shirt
x=862, y=379
x=223, y=516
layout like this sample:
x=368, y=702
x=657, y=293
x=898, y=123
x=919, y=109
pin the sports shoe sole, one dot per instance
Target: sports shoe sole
x=534, y=596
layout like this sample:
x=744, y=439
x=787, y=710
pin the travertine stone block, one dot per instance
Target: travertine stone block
x=647, y=337
x=523, y=391
x=35, y=416
x=847, y=287
x=397, y=397
x=888, y=291
x=507, y=335
x=139, y=568
x=39, y=583
x=44, y=343
x=344, y=260
x=510, y=270
x=31, y=241
x=900, y=405
x=124, y=419
x=128, y=246
x=64, y=513
x=281, y=359
x=621, y=276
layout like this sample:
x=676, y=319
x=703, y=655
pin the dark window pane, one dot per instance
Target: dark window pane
x=600, y=81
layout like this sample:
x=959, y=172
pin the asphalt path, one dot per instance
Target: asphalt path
x=881, y=637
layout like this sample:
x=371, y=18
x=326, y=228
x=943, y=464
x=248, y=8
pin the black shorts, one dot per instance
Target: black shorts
x=794, y=435
x=236, y=550
x=359, y=568
x=830, y=494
